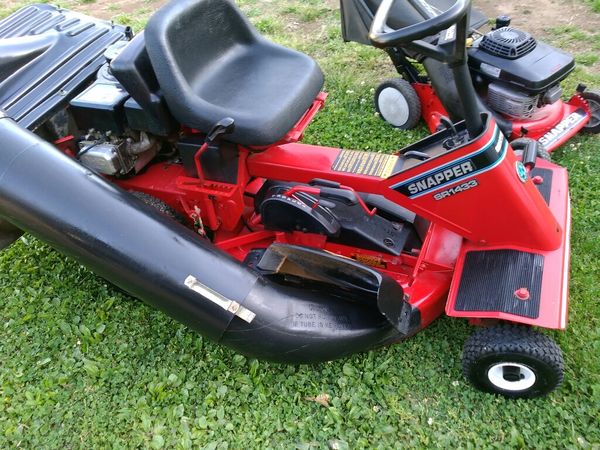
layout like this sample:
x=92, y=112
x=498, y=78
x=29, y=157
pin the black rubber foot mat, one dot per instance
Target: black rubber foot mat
x=490, y=280
x=546, y=185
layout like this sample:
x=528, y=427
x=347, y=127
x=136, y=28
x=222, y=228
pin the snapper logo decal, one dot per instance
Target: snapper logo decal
x=477, y=162
x=560, y=130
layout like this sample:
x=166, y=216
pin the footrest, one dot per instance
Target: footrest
x=522, y=285
x=507, y=281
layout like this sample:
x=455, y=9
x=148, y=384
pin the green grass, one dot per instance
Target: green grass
x=84, y=366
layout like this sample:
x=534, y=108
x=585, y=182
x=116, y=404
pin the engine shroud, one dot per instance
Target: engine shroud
x=514, y=58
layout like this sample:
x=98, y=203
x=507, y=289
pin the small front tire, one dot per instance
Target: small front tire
x=513, y=361
x=398, y=103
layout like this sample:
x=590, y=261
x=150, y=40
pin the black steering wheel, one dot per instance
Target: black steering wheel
x=382, y=36
x=450, y=47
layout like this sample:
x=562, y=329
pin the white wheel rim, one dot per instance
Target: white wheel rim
x=393, y=107
x=511, y=376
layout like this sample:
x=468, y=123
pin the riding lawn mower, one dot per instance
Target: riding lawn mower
x=169, y=163
x=517, y=77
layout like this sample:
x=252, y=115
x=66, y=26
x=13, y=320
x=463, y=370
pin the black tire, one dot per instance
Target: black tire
x=513, y=361
x=518, y=145
x=398, y=104
x=593, y=98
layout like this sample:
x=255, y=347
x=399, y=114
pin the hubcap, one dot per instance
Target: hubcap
x=393, y=107
x=511, y=376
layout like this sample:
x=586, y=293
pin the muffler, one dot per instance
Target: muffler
x=168, y=266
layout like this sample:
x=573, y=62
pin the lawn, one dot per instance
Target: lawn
x=83, y=365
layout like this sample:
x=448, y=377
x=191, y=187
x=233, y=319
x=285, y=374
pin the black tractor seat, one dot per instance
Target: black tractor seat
x=211, y=63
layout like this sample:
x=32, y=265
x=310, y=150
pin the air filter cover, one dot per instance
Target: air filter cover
x=508, y=42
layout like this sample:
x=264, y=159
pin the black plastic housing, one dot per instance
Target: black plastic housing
x=147, y=109
x=219, y=161
x=47, y=55
x=141, y=119
x=101, y=107
x=535, y=72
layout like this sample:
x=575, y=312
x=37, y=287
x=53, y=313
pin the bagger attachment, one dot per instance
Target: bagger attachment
x=168, y=266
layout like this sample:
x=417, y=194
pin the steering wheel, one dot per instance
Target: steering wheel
x=450, y=49
x=381, y=36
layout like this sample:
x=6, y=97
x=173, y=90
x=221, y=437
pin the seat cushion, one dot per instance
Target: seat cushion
x=211, y=64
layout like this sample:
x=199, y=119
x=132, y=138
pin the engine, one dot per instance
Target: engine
x=517, y=74
x=118, y=137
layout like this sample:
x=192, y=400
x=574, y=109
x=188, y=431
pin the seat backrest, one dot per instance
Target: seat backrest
x=133, y=70
x=185, y=36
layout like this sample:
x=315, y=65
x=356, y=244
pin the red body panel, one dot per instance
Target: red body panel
x=549, y=117
x=501, y=211
x=518, y=217
x=554, y=294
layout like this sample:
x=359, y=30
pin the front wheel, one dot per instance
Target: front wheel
x=593, y=99
x=513, y=361
x=398, y=103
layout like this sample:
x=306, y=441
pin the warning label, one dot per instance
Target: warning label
x=365, y=163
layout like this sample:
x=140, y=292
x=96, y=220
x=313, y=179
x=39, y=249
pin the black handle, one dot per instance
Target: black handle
x=530, y=153
x=223, y=126
x=381, y=36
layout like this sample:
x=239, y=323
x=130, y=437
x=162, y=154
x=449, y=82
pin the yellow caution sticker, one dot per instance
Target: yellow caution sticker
x=365, y=163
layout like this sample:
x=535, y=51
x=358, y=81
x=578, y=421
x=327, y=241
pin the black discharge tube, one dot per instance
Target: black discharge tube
x=168, y=266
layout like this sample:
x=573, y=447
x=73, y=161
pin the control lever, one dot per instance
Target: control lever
x=456, y=139
x=222, y=127
x=333, y=190
x=530, y=153
x=448, y=124
x=421, y=156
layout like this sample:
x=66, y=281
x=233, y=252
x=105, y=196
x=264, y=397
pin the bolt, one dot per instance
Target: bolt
x=522, y=294
x=388, y=242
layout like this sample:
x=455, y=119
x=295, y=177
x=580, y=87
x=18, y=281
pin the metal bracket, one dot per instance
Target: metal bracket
x=225, y=303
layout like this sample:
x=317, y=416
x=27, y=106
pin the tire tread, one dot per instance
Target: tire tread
x=513, y=339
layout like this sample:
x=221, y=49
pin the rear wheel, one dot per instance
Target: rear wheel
x=513, y=361
x=398, y=104
x=593, y=99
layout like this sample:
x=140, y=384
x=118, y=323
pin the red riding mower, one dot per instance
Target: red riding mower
x=174, y=171
x=517, y=78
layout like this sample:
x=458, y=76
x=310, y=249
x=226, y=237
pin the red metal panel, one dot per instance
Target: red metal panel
x=554, y=294
x=500, y=210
